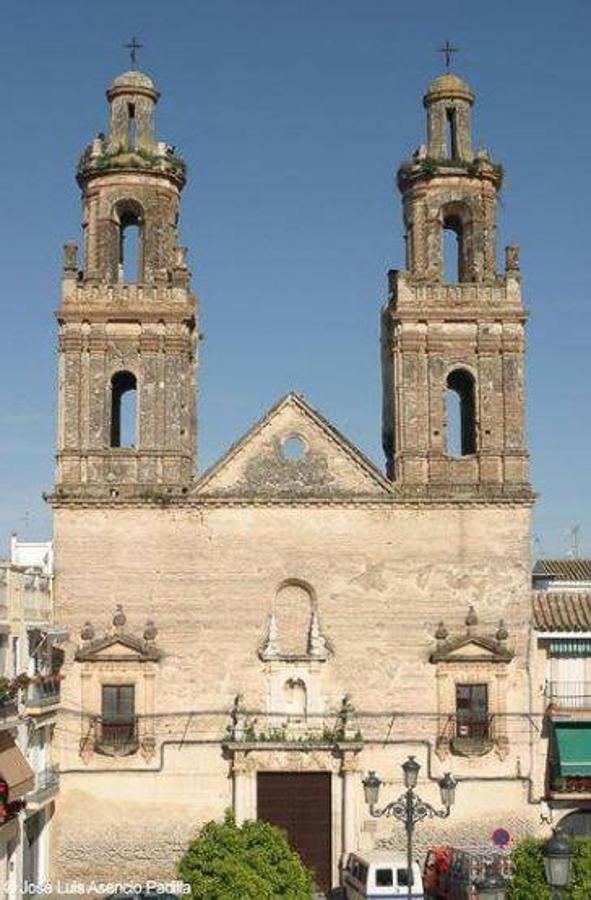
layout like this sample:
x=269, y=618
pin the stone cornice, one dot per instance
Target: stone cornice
x=202, y=501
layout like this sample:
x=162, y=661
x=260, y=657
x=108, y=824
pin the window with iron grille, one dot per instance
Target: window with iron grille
x=118, y=713
x=472, y=719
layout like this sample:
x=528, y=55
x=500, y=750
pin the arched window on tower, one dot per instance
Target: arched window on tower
x=123, y=410
x=457, y=249
x=453, y=248
x=451, y=143
x=460, y=408
x=131, y=126
x=130, y=221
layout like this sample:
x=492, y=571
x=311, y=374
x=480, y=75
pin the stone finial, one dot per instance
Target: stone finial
x=150, y=631
x=471, y=620
x=270, y=647
x=512, y=258
x=442, y=633
x=236, y=726
x=87, y=631
x=317, y=646
x=180, y=257
x=119, y=618
x=502, y=633
x=345, y=716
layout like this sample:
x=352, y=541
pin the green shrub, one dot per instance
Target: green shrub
x=529, y=882
x=250, y=862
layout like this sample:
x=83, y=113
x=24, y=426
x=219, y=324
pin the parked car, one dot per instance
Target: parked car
x=451, y=873
x=380, y=874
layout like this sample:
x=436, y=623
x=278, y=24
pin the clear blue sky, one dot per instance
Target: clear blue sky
x=293, y=115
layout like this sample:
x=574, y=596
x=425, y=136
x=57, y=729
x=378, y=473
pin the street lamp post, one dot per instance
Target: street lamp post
x=409, y=808
x=558, y=854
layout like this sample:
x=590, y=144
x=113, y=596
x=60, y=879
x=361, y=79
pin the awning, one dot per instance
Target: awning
x=14, y=768
x=574, y=748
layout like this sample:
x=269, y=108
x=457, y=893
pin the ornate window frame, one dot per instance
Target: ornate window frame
x=118, y=657
x=473, y=657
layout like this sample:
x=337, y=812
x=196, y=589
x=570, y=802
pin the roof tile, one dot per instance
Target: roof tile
x=561, y=611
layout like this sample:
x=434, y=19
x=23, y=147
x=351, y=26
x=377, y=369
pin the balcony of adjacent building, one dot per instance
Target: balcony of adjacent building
x=568, y=700
x=8, y=709
x=569, y=760
x=568, y=708
x=47, y=784
x=42, y=695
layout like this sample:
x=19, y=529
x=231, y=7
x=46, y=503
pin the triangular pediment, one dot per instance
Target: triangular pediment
x=472, y=648
x=117, y=648
x=291, y=453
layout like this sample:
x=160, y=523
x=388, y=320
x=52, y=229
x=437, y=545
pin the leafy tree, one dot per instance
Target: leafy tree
x=580, y=888
x=250, y=862
x=528, y=881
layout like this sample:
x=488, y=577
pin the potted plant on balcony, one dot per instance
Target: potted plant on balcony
x=6, y=694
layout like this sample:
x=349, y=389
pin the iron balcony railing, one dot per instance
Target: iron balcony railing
x=569, y=694
x=475, y=727
x=116, y=738
x=8, y=705
x=467, y=734
x=44, y=692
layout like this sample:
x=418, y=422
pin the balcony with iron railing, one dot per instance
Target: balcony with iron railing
x=115, y=738
x=43, y=694
x=47, y=783
x=8, y=707
x=568, y=696
x=467, y=734
x=566, y=785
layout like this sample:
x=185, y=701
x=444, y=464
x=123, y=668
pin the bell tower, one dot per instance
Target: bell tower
x=127, y=338
x=453, y=327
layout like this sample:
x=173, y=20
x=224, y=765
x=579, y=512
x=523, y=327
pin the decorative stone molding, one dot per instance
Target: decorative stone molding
x=472, y=657
x=472, y=646
x=118, y=645
x=318, y=646
x=118, y=656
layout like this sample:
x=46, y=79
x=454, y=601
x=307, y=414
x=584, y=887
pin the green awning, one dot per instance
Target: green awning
x=574, y=748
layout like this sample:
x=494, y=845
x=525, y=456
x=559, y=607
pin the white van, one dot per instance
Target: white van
x=380, y=874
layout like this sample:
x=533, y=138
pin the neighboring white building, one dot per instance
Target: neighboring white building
x=568, y=574
x=29, y=699
x=32, y=554
x=562, y=628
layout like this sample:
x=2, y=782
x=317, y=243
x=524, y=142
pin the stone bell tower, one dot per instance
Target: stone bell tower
x=127, y=316
x=453, y=329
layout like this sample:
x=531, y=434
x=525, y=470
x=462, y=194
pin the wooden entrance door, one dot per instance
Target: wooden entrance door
x=299, y=802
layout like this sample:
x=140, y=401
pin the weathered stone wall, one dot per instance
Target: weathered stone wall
x=383, y=577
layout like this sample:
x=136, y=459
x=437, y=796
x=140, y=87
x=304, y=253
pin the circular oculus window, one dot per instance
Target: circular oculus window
x=293, y=447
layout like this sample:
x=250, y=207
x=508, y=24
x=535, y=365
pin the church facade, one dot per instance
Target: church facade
x=261, y=635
